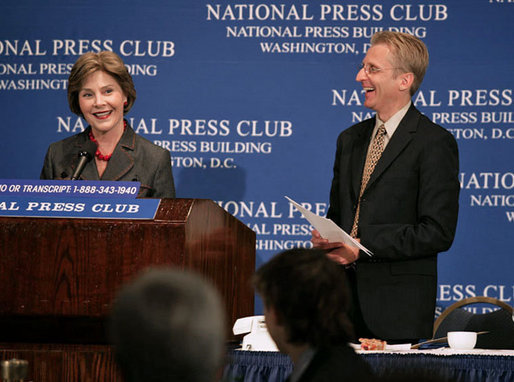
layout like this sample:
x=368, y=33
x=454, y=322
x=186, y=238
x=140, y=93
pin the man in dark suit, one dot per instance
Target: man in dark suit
x=305, y=305
x=396, y=189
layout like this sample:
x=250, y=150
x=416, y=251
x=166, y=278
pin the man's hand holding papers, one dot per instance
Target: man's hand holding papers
x=342, y=248
x=339, y=252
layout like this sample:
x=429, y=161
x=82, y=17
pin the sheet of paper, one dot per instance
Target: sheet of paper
x=328, y=229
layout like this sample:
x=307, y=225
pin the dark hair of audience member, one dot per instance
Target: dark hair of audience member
x=299, y=285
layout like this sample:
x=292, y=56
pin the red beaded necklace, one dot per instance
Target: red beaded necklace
x=98, y=154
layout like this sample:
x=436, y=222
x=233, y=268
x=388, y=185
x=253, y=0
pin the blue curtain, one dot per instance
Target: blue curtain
x=248, y=366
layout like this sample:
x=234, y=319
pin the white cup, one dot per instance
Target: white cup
x=462, y=340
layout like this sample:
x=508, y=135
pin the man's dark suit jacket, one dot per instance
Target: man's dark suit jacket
x=134, y=159
x=408, y=215
x=336, y=363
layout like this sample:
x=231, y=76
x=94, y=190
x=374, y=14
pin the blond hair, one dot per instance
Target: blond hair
x=410, y=54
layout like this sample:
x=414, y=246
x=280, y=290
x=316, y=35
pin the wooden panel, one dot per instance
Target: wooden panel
x=65, y=363
x=58, y=277
x=74, y=267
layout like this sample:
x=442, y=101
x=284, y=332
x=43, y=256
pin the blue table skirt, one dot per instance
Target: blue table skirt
x=249, y=366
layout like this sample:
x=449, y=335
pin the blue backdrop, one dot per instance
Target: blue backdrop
x=250, y=97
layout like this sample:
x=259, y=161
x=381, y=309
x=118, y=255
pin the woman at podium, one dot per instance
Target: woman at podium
x=101, y=91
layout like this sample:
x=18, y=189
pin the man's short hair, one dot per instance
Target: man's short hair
x=168, y=325
x=409, y=52
x=309, y=294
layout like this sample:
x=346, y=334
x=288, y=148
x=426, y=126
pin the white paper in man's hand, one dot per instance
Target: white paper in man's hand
x=328, y=229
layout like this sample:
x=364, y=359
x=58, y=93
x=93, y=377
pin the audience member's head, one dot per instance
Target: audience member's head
x=168, y=325
x=305, y=299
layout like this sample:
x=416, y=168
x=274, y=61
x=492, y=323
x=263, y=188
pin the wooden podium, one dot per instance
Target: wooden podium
x=58, y=278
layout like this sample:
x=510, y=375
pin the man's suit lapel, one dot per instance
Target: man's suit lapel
x=359, y=152
x=401, y=138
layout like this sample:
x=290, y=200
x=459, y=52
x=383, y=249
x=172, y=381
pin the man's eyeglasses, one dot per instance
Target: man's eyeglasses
x=371, y=69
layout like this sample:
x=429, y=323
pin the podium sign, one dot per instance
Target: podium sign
x=82, y=208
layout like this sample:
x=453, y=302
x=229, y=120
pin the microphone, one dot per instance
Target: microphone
x=84, y=157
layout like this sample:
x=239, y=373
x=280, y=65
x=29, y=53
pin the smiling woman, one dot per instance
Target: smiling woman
x=101, y=91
